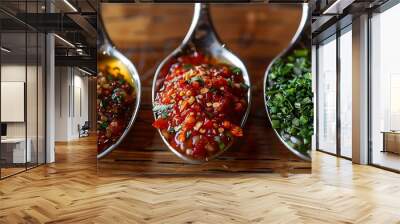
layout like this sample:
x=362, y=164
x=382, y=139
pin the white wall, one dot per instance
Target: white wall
x=61, y=103
x=80, y=110
x=71, y=93
x=12, y=73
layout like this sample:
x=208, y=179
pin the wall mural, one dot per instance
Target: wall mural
x=200, y=87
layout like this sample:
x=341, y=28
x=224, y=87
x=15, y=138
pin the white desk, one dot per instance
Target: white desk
x=18, y=149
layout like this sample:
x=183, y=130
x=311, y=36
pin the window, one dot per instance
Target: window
x=327, y=96
x=346, y=92
x=385, y=89
x=334, y=128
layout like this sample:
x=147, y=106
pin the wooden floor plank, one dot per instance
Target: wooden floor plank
x=71, y=191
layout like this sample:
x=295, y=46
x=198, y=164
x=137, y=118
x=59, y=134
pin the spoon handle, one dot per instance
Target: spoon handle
x=302, y=34
x=102, y=37
x=201, y=31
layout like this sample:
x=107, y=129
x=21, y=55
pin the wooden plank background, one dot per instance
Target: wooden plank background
x=147, y=33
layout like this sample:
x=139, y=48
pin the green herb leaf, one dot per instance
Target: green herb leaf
x=244, y=85
x=162, y=107
x=230, y=83
x=187, y=66
x=275, y=124
x=171, y=129
x=197, y=79
x=103, y=125
x=301, y=53
x=209, y=114
x=178, y=128
x=221, y=144
x=236, y=70
x=188, y=134
x=213, y=89
x=162, y=110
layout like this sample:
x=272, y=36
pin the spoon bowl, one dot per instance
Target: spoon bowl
x=110, y=56
x=300, y=40
x=201, y=37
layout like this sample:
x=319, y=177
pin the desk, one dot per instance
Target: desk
x=391, y=141
x=15, y=148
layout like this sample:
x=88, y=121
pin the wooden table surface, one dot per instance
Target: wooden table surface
x=147, y=33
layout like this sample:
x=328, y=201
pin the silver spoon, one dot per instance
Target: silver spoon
x=202, y=37
x=300, y=40
x=106, y=48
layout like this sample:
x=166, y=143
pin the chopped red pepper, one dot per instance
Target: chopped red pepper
x=160, y=123
x=198, y=105
x=237, y=131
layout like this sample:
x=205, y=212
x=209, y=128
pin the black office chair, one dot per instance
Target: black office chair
x=84, y=130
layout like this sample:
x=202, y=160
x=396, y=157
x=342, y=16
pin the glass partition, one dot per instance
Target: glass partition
x=22, y=88
x=13, y=94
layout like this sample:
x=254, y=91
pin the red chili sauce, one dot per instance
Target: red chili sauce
x=200, y=105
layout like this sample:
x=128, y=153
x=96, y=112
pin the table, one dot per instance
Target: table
x=391, y=141
x=16, y=148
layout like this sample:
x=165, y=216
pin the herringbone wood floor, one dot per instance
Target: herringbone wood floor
x=70, y=191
